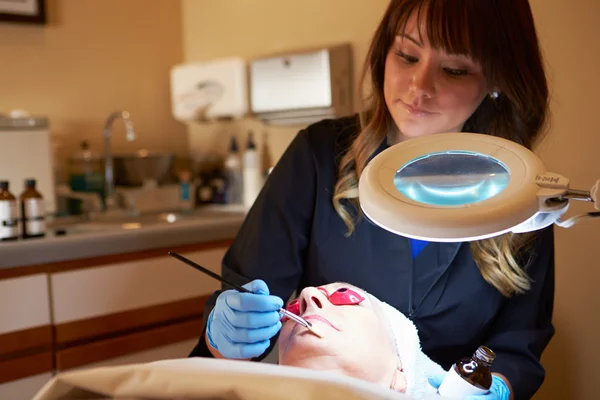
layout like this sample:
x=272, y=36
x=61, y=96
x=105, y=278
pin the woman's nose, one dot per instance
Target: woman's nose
x=422, y=83
x=311, y=298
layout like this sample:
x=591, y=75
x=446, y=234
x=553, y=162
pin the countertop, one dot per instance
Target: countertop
x=55, y=248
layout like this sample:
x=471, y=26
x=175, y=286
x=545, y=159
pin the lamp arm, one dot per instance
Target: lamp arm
x=592, y=196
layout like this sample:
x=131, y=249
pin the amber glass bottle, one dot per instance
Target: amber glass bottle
x=9, y=215
x=470, y=375
x=32, y=211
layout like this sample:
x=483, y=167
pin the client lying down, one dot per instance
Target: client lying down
x=366, y=347
x=361, y=337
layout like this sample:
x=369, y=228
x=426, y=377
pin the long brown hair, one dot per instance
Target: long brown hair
x=498, y=34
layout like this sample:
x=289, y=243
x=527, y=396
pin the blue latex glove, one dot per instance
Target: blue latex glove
x=498, y=391
x=241, y=324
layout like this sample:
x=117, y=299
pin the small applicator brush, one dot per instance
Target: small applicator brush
x=297, y=319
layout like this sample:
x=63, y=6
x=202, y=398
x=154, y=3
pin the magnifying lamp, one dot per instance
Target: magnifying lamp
x=461, y=186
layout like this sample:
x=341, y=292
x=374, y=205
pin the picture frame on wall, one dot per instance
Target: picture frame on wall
x=23, y=11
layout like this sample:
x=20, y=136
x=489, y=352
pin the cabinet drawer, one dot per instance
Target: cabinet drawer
x=25, y=323
x=25, y=388
x=102, y=290
x=24, y=303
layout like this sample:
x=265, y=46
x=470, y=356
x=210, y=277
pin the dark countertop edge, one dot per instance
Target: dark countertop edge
x=97, y=244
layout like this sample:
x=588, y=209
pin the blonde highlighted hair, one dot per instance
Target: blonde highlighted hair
x=501, y=37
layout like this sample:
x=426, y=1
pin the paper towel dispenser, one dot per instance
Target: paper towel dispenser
x=302, y=87
x=210, y=90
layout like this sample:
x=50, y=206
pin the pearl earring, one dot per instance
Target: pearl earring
x=494, y=95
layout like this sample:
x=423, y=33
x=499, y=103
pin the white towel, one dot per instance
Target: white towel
x=416, y=365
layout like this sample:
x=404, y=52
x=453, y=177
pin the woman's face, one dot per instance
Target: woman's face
x=428, y=91
x=354, y=340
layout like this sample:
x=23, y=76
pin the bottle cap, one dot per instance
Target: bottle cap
x=233, y=147
x=185, y=175
x=485, y=354
x=30, y=182
x=4, y=185
x=251, y=144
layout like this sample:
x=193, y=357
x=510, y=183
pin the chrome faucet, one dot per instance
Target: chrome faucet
x=109, y=180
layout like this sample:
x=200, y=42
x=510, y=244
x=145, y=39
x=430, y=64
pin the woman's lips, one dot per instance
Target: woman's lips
x=319, y=318
x=419, y=112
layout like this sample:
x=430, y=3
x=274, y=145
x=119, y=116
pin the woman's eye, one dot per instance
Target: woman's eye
x=407, y=59
x=455, y=72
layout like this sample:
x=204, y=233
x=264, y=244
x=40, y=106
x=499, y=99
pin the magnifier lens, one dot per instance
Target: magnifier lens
x=452, y=178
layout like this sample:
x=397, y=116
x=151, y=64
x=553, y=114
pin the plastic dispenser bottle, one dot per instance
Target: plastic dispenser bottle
x=233, y=174
x=252, y=176
x=186, y=200
x=266, y=161
x=9, y=214
x=469, y=376
x=32, y=211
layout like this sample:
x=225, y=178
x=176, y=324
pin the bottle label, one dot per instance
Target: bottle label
x=454, y=386
x=185, y=191
x=9, y=219
x=34, y=218
x=35, y=227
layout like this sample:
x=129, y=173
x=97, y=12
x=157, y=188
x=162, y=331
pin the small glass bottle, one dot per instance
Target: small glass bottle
x=32, y=211
x=469, y=376
x=9, y=214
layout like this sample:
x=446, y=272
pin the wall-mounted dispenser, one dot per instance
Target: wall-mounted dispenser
x=209, y=90
x=302, y=87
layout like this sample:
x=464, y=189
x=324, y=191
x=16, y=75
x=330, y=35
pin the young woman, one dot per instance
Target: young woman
x=434, y=66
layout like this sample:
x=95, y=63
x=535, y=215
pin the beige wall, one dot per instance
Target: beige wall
x=213, y=29
x=95, y=57
x=568, y=31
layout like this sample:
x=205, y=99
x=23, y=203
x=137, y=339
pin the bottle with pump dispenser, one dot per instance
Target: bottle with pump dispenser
x=469, y=376
x=9, y=214
x=233, y=174
x=32, y=211
x=252, y=174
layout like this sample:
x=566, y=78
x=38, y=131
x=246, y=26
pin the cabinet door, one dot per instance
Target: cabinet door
x=167, y=352
x=92, y=292
x=24, y=388
x=160, y=299
x=25, y=333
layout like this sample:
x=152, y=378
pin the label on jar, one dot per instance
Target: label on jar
x=34, y=218
x=9, y=219
x=455, y=387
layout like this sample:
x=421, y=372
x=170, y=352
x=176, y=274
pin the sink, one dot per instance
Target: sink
x=124, y=220
x=121, y=217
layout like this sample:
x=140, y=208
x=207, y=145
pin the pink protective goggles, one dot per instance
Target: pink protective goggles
x=341, y=297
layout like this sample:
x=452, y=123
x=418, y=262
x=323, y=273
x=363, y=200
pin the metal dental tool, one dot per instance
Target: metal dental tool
x=297, y=319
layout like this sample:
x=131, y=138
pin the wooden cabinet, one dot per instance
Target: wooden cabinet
x=107, y=311
x=135, y=307
x=25, y=335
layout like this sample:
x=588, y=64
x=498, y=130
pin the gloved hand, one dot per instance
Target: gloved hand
x=498, y=391
x=241, y=324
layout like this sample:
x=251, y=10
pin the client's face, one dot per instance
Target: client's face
x=354, y=339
